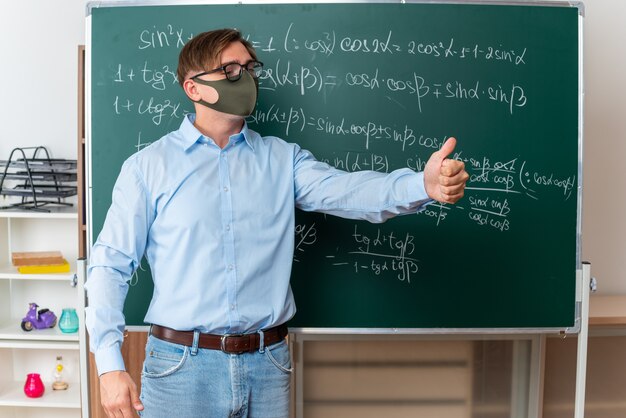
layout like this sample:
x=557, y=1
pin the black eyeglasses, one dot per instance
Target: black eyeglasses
x=233, y=70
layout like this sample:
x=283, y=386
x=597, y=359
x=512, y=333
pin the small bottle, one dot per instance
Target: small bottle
x=58, y=383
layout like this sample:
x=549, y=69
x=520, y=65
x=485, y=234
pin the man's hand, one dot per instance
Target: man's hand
x=445, y=179
x=119, y=395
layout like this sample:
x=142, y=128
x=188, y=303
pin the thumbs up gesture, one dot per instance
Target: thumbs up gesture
x=445, y=178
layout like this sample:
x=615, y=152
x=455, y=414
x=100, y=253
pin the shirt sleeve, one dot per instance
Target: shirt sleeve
x=114, y=258
x=367, y=195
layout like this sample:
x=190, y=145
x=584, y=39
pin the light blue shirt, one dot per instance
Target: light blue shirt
x=217, y=227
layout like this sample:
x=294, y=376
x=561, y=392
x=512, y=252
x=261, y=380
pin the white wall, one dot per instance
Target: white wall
x=38, y=107
x=604, y=197
x=38, y=69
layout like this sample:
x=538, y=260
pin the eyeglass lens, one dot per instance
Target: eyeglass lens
x=233, y=70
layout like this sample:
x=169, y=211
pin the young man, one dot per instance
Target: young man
x=212, y=207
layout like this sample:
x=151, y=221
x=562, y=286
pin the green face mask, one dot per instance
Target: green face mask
x=235, y=97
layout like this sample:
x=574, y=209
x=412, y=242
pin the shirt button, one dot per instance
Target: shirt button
x=228, y=227
x=225, y=188
x=232, y=307
x=230, y=267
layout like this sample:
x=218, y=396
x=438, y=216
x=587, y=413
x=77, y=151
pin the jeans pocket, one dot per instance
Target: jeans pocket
x=279, y=355
x=163, y=358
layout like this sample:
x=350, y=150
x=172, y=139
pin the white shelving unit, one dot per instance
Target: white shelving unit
x=36, y=351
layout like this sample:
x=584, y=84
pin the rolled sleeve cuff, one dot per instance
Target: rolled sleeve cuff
x=109, y=359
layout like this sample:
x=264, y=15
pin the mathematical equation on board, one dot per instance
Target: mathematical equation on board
x=285, y=76
x=293, y=66
x=382, y=254
x=332, y=42
x=419, y=88
x=291, y=56
x=488, y=205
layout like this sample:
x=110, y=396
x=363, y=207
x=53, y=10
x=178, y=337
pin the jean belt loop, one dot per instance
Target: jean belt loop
x=261, y=341
x=194, y=345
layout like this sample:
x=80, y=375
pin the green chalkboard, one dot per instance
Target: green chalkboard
x=380, y=86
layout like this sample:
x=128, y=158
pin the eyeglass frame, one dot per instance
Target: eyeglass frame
x=223, y=68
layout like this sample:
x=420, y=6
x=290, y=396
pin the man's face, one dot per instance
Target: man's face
x=235, y=52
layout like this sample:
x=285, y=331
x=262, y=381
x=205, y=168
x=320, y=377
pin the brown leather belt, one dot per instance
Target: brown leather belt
x=229, y=343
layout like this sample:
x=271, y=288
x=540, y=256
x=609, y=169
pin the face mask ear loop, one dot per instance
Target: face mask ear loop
x=202, y=102
x=203, y=82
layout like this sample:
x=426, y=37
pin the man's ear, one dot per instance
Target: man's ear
x=191, y=90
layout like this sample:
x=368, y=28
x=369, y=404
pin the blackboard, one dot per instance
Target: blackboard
x=380, y=86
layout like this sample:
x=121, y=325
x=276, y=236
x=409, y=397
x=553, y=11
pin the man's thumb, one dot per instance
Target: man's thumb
x=447, y=148
x=134, y=398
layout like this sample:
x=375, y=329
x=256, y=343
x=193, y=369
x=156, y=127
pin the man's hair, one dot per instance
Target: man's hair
x=203, y=51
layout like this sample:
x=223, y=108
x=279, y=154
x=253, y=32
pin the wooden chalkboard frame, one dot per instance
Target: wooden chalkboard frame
x=426, y=331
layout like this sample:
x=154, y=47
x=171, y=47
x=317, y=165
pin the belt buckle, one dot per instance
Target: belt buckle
x=223, y=344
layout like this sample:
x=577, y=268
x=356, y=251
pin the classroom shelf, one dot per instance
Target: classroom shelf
x=12, y=331
x=9, y=272
x=39, y=345
x=55, y=213
x=12, y=394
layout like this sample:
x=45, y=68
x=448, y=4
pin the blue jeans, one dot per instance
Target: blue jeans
x=189, y=382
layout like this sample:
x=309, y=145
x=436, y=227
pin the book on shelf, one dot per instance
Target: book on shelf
x=37, y=258
x=45, y=269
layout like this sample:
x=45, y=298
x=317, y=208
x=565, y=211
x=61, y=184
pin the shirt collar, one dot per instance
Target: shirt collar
x=190, y=135
x=248, y=135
